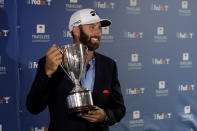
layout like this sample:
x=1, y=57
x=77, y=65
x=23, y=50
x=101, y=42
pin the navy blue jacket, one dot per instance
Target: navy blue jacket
x=52, y=92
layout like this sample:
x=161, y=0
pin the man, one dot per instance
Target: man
x=52, y=86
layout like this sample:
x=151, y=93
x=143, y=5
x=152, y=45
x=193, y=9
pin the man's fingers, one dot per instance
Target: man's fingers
x=52, y=49
x=91, y=118
x=92, y=112
x=55, y=52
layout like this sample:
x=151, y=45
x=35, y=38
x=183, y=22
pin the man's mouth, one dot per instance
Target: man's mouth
x=95, y=39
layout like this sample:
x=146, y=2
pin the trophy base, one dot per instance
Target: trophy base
x=82, y=109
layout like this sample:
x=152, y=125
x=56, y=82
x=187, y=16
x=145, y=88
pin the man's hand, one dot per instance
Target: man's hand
x=53, y=60
x=94, y=116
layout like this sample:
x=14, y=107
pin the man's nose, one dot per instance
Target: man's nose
x=97, y=32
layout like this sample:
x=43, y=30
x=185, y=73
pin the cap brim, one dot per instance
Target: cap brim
x=105, y=22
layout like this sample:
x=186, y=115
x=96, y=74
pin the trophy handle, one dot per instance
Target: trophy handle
x=62, y=65
x=68, y=73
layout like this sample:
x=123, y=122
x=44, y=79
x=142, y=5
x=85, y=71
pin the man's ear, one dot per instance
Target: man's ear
x=76, y=31
x=76, y=34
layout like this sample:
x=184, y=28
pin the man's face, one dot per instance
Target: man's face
x=90, y=35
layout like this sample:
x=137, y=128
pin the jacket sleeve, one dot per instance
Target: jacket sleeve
x=117, y=109
x=39, y=94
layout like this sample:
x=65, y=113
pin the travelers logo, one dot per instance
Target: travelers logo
x=40, y=35
x=185, y=56
x=161, y=91
x=73, y=1
x=72, y=5
x=162, y=84
x=133, y=2
x=185, y=62
x=136, y=121
x=134, y=62
x=184, y=10
x=106, y=37
x=105, y=30
x=184, y=4
x=160, y=30
x=136, y=114
x=187, y=116
x=40, y=28
x=39, y=2
x=133, y=7
x=134, y=57
x=160, y=37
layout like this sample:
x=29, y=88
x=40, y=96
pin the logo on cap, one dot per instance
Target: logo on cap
x=93, y=13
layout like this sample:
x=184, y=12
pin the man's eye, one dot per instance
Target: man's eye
x=91, y=27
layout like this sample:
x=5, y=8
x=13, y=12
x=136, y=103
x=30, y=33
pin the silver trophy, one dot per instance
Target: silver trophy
x=74, y=57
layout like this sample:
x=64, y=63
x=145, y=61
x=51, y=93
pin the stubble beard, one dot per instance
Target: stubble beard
x=86, y=40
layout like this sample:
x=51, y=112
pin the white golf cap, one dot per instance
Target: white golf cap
x=86, y=16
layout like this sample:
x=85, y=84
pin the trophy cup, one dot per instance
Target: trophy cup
x=79, y=99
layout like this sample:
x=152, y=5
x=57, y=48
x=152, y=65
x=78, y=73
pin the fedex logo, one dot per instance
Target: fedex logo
x=67, y=34
x=135, y=91
x=4, y=33
x=159, y=7
x=184, y=35
x=160, y=61
x=134, y=34
x=39, y=129
x=186, y=87
x=4, y=100
x=33, y=65
x=39, y=2
x=104, y=5
x=162, y=116
x=136, y=114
